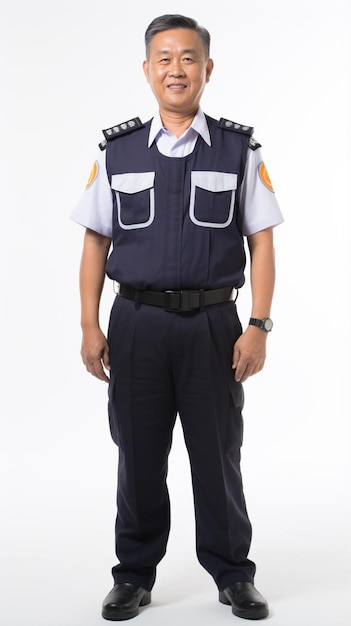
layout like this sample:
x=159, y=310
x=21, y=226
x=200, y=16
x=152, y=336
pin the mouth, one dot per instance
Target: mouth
x=176, y=87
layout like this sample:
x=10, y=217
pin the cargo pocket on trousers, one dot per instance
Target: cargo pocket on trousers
x=235, y=426
x=112, y=416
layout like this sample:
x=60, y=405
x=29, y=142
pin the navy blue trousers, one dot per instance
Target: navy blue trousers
x=164, y=364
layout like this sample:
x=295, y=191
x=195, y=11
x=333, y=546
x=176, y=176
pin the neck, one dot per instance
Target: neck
x=176, y=123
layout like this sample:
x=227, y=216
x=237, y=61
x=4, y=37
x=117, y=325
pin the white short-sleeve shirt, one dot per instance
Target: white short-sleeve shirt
x=257, y=201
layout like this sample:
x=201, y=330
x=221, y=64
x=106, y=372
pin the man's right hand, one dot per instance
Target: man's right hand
x=95, y=353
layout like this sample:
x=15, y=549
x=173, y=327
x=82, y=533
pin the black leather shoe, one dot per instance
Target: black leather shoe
x=246, y=601
x=123, y=601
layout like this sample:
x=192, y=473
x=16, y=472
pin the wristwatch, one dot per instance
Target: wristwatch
x=265, y=324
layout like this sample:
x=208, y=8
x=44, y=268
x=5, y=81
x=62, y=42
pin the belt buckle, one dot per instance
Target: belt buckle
x=178, y=301
x=172, y=301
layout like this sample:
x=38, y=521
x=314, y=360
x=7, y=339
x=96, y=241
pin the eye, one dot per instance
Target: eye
x=188, y=59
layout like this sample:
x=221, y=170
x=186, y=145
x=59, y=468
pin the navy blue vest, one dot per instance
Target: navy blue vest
x=176, y=222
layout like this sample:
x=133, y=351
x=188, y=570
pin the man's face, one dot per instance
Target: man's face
x=177, y=70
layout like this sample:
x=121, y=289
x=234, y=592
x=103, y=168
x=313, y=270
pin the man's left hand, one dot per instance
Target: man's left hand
x=249, y=353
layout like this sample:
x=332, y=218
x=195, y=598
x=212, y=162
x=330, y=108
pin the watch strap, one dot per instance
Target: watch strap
x=253, y=321
x=261, y=323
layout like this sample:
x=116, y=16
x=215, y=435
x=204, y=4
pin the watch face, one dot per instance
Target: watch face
x=268, y=324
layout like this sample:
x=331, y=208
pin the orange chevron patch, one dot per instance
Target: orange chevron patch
x=264, y=176
x=93, y=175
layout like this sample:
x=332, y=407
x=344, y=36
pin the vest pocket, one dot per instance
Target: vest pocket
x=212, y=198
x=135, y=198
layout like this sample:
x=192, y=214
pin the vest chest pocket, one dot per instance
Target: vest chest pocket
x=212, y=198
x=135, y=198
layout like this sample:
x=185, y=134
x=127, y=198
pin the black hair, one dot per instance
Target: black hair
x=171, y=21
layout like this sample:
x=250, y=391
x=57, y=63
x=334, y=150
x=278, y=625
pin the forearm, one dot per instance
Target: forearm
x=249, y=351
x=92, y=276
x=262, y=272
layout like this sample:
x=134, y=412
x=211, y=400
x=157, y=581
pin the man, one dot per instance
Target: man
x=175, y=196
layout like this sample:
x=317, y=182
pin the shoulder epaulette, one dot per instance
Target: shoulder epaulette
x=253, y=144
x=119, y=129
x=234, y=126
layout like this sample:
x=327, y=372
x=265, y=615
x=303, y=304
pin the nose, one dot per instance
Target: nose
x=176, y=69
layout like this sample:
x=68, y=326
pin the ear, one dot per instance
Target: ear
x=146, y=70
x=209, y=68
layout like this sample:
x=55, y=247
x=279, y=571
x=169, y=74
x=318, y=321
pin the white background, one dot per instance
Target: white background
x=69, y=69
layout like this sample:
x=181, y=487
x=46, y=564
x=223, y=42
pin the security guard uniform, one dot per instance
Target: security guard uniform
x=177, y=226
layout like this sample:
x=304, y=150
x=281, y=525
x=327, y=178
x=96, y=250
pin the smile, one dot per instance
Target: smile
x=176, y=87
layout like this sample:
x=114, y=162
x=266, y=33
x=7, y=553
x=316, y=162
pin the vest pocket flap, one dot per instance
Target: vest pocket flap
x=133, y=182
x=214, y=181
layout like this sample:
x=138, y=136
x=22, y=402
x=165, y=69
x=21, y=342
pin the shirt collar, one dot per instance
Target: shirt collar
x=199, y=124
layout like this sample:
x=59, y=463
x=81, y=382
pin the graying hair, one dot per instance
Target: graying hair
x=171, y=21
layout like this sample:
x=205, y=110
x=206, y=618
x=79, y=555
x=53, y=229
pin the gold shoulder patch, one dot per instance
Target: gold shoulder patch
x=264, y=176
x=93, y=175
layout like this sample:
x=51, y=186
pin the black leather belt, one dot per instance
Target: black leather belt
x=177, y=301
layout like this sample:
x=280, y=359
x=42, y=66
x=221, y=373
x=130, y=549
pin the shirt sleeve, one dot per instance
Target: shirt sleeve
x=257, y=201
x=94, y=209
